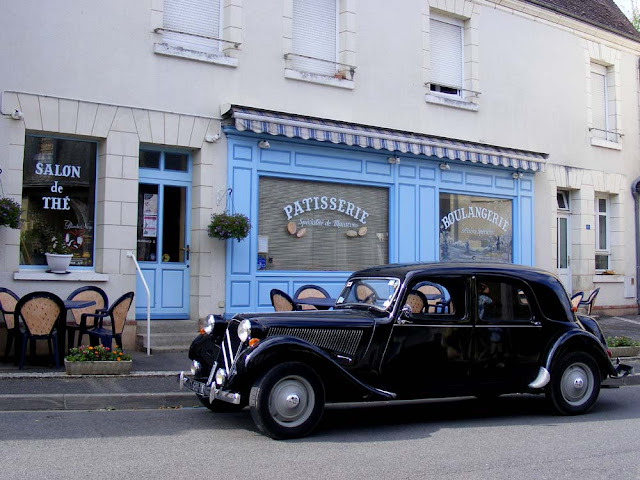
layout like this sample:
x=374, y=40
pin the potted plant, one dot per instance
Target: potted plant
x=9, y=213
x=623, y=346
x=98, y=360
x=58, y=254
x=229, y=225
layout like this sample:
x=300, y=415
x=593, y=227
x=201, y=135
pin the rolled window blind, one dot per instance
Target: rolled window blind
x=314, y=35
x=446, y=54
x=195, y=17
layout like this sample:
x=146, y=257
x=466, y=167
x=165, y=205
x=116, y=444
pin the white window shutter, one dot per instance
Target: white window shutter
x=446, y=52
x=599, y=100
x=314, y=35
x=200, y=18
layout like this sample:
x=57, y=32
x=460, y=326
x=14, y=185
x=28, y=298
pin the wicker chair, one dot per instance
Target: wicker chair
x=78, y=322
x=576, y=298
x=588, y=303
x=310, y=291
x=8, y=301
x=281, y=301
x=40, y=313
x=117, y=312
x=365, y=294
x=417, y=301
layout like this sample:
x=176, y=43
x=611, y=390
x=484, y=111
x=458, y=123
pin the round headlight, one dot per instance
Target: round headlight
x=195, y=367
x=210, y=323
x=221, y=376
x=244, y=330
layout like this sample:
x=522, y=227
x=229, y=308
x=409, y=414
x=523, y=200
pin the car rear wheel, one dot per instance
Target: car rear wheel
x=287, y=401
x=575, y=384
x=219, y=406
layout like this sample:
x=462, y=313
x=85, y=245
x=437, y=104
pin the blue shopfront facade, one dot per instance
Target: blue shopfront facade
x=321, y=207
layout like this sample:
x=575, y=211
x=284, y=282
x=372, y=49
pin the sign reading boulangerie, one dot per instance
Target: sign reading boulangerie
x=306, y=225
x=475, y=229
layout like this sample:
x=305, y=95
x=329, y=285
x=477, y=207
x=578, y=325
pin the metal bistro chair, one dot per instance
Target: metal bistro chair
x=79, y=321
x=8, y=301
x=117, y=312
x=310, y=291
x=281, y=301
x=576, y=298
x=40, y=313
x=588, y=303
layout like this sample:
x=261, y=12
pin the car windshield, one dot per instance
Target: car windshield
x=378, y=292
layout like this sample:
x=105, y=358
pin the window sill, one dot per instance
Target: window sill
x=218, y=59
x=72, y=276
x=320, y=79
x=608, y=278
x=601, y=142
x=450, y=102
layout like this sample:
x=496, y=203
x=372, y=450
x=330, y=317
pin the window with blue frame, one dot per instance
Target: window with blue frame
x=58, y=198
x=321, y=226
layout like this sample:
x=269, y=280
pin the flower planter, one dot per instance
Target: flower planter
x=58, y=263
x=624, y=351
x=97, y=368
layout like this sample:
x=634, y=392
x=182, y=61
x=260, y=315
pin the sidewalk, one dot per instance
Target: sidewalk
x=153, y=381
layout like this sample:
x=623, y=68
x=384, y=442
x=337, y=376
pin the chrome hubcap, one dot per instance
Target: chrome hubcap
x=291, y=401
x=577, y=384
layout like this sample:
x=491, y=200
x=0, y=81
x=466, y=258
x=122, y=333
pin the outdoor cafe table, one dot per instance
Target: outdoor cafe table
x=62, y=326
x=321, y=303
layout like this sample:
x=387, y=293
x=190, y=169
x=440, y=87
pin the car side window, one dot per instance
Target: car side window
x=437, y=298
x=502, y=301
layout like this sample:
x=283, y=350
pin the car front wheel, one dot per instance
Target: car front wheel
x=575, y=384
x=287, y=401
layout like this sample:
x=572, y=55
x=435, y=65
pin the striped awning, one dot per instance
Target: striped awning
x=297, y=126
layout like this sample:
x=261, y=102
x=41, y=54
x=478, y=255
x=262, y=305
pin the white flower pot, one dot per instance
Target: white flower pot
x=58, y=263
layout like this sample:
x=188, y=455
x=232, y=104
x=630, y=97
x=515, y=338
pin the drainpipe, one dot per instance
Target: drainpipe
x=635, y=191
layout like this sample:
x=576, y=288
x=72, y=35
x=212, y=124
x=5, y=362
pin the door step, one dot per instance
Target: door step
x=166, y=335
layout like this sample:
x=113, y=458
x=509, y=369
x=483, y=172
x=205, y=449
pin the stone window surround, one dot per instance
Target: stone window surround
x=231, y=33
x=469, y=13
x=346, y=44
x=119, y=130
x=601, y=54
x=583, y=186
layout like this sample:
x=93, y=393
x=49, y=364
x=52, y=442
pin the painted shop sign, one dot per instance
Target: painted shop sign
x=464, y=213
x=312, y=204
x=48, y=170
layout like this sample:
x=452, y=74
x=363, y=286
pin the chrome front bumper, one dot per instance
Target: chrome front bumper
x=208, y=390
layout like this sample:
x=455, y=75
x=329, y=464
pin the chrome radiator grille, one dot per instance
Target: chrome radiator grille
x=340, y=340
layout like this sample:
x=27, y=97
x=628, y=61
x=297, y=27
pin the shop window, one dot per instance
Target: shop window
x=58, y=198
x=447, y=57
x=314, y=36
x=321, y=226
x=602, y=234
x=475, y=229
x=192, y=25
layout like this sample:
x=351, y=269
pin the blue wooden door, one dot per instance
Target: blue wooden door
x=164, y=205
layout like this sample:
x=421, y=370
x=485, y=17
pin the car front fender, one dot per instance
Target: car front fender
x=281, y=349
x=575, y=340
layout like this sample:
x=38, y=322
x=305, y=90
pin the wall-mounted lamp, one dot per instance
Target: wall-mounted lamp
x=212, y=138
x=264, y=144
x=517, y=175
x=17, y=115
x=394, y=160
x=445, y=166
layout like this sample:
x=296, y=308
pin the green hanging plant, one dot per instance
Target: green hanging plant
x=9, y=213
x=229, y=225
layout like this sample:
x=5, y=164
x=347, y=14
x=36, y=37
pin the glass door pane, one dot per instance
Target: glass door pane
x=563, y=261
x=173, y=221
x=147, y=222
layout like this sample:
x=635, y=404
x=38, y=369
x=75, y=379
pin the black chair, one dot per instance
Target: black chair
x=40, y=314
x=310, y=291
x=588, y=303
x=117, y=312
x=282, y=302
x=8, y=301
x=80, y=315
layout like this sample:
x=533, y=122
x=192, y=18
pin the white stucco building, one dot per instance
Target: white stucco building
x=414, y=113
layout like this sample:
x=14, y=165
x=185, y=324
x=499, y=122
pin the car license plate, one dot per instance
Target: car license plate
x=194, y=386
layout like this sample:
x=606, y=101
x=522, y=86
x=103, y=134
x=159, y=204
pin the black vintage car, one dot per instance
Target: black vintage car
x=404, y=332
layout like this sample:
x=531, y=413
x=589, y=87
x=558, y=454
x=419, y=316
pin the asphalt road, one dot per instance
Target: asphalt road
x=513, y=437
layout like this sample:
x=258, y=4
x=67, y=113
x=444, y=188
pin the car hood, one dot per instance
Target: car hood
x=313, y=318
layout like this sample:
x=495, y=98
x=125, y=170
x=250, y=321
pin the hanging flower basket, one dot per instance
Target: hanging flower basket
x=9, y=213
x=229, y=225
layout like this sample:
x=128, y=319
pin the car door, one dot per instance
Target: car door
x=428, y=352
x=507, y=338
